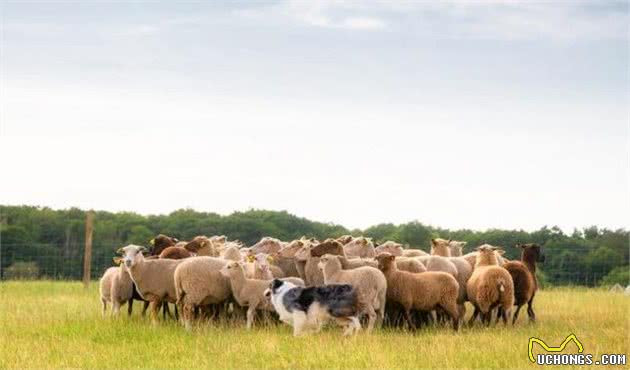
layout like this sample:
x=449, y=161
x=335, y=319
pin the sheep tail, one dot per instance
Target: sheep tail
x=179, y=292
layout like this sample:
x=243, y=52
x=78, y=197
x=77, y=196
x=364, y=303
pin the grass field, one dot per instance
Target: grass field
x=58, y=324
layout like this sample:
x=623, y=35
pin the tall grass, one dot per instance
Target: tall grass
x=58, y=324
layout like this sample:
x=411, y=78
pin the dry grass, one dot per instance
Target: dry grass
x=58, y=324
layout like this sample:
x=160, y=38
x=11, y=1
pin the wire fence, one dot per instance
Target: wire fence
x=66, y=263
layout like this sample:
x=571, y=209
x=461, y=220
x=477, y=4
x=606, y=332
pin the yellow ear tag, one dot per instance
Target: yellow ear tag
x=152, y=241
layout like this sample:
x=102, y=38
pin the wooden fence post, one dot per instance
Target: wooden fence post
x=87, y=256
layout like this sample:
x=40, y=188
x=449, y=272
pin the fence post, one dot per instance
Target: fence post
x=87, y=255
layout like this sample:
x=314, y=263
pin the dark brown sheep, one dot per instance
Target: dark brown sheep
x=175, y=253
x=160, y=242
x=524, y=276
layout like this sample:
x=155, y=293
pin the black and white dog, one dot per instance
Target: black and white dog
x=308, y=309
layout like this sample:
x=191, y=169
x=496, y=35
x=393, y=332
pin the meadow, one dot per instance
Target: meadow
x=51, y=324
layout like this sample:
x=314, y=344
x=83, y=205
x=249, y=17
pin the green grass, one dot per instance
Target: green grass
x=58, y=324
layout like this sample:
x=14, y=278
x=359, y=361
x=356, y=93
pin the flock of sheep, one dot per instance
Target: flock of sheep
x=209, y=277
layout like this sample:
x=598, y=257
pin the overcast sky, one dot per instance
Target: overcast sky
x=457, y=114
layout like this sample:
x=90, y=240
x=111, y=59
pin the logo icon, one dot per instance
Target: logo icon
x=547, y=348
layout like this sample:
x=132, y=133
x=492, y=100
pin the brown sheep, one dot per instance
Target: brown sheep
x=424, y=291
x=201, y=246
x=309, y=255
x=345, y=239
x=175, y=253
x=524, y=276
x=160, y=242
x=360, y=247
x=489, y=286
x=285, y=258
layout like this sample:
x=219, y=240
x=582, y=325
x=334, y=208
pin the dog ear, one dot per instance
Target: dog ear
x=276, y=283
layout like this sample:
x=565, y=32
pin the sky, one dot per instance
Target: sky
x=493, y=114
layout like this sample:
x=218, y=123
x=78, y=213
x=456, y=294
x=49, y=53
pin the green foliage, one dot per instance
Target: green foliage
x=22, y=271
x=619, y=275
x=54, y=239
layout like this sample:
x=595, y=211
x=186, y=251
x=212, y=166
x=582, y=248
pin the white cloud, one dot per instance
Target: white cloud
x=562, y=20
x=363, y=23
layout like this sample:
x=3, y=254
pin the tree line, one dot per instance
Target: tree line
x=49, y=243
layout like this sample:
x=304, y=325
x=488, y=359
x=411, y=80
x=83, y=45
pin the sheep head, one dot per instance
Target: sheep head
x=440, y=247
x=456, y=247
x=329, y=261
x=531, y=252
x=231, y=269
x=488, y=255
x=132, y=254
x=386, y=261
x=393, y=248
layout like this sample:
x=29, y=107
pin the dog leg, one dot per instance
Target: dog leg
x=299, y=321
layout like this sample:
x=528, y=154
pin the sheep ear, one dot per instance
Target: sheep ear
x=152, y=241
x=119, y=250
x=500, y=252
x=250, y=258
x=433, y=241
x=117, y=260
x=269, y=259
x=391, y=258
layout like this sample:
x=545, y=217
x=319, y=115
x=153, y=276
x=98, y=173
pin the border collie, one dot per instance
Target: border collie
x=308, y=309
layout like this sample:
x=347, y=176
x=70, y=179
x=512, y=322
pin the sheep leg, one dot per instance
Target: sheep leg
x=504, y=315
x=530, y=310
x=518, y=308
x=104, y=302
x=144, y=309
x=371, y=318
x=129, y=306
x=155, y=310
x=410, y=323
x=453, y=312
x=474, y=316
x=251, y=311
x=187, y=313
x=115, y=308
x=176, y=313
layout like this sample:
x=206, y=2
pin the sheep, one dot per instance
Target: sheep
x=285, y=257
x=232, y=253
x=160, y=242
x=414, y=253
x=267, y=245
x=250, y=293
x=263, y=270
x=393, y=248
x=105, y=291
x=524, y=277
x=153, y=278
x=409, y=264
x=456, y=247
x=175, y=253
x=397, y=249
x=442, y=248
x=202, y=246
x=308, y=256
x=369, y=282
x=199, y=282
x=471, y=257
x=424, y=291
x=490, y=286
x=120, y=289
x=360, y=247
x=345, y=239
